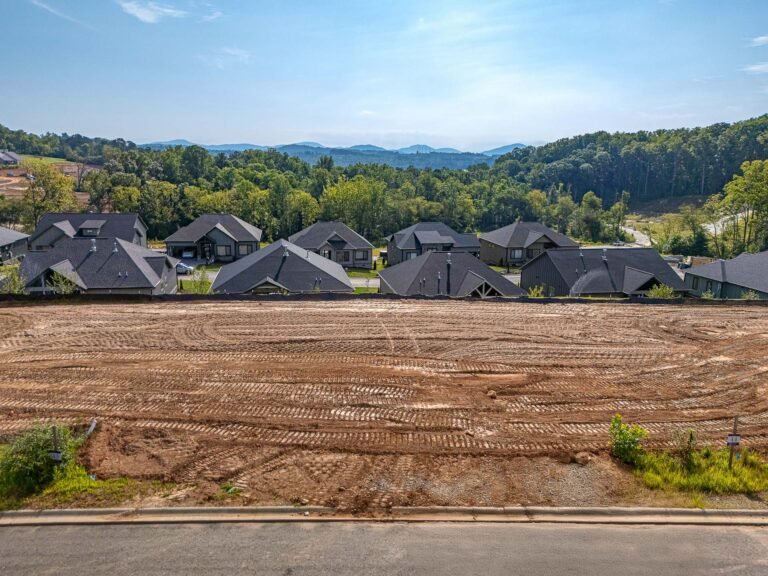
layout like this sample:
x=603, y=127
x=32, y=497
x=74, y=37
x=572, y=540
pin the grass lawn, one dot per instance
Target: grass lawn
x=188, y=286
x=47, y=159
x=362, y=273
x=503, y=269
x=364, y=290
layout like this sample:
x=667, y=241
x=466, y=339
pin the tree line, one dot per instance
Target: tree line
x=283, y=194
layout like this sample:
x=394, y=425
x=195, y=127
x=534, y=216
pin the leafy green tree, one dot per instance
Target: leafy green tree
x=626, y=440
x=48, y=191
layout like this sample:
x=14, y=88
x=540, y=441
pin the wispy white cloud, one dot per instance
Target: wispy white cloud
x=759, y=41
x=760, y=68
x=226, y=57
x=150, y=12
x=56, y=12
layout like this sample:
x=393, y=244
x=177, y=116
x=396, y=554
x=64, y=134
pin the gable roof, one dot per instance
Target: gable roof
x=746, y=270
x=285, y=265
x=229, y=224
x=8, y=156
x=338, y=234
x=113, y=224
x=432, y=233
x=8, y=236
x=610, y=270
x=419, y=276
x=115, y=264
x=523, y=234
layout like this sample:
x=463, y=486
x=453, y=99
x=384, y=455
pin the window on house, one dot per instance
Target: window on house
x=709, y=285
x=695, y=283
x=244, y=249
x=411, y=255
x=327, y=254
x=90, y=232
x=343, y=256
x=223, y=250
x=517, y=254
x=361, y=254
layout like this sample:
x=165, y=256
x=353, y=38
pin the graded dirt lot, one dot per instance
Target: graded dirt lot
x=363, y=404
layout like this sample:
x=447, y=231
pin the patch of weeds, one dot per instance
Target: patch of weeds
x=230, y=489
x=706, y=471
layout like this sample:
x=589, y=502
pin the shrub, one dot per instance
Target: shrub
x=708, y=295
x=26, y=466
x=626, y=439
x=749, y=295
x=11, y=281
x=661, y=292
x=536, y=291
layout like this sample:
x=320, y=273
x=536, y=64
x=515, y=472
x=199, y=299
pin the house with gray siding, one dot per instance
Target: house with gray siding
x=214, y=238
x=608, y=272
x=336, y=241
x=282, y=268
x=56, y=227
x=516, y=244
x=458, y=275
x=13, y=244
x=732, y=278
x=100, y=266
x=428, y=237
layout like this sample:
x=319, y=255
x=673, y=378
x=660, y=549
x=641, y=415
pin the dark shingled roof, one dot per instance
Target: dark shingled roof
x=337, y=234
x=419, y=276
x=624, y=270
x=433, y=233
x=523, y=234
x=115, y=225
x=232, y=226
x=115, y=264
x=8, y=236
x=301, y=271
x=746, y=270
x=7, y=156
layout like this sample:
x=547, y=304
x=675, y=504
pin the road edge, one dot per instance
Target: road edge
x=506, y=514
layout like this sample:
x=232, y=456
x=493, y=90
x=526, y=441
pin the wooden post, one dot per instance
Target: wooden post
x=733, y=446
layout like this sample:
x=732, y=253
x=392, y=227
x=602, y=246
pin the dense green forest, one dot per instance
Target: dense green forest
x=581, y=185
x=648, y=165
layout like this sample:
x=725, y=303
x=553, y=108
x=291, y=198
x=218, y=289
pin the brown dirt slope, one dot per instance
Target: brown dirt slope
x=372, y=403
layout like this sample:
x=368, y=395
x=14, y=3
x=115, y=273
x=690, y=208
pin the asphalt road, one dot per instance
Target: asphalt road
x=371, y=549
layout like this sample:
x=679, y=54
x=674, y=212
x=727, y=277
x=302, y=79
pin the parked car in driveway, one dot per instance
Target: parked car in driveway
x=182, y=268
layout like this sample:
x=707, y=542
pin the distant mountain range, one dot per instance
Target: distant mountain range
x=418, y=155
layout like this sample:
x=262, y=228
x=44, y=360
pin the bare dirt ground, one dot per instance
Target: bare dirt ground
x=366, y=404
x=13, y=187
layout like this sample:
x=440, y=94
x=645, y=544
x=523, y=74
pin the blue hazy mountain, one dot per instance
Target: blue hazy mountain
x=501, y=150
x=418, y=155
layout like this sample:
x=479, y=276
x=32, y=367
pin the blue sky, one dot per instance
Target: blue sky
x=466, y=74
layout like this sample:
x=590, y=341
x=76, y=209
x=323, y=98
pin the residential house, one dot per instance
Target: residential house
x=609, y=272
x=428, y=237
x=336, y=241
x=214, y=237
x=282, y=267
x=731, y=278
x=56, y=227
x=7, y=157
x=12, y=244
x=516, y=244
x=100, y=266
x=458, y=275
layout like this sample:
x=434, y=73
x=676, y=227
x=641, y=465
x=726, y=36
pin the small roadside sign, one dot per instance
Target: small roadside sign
x=733, y=440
